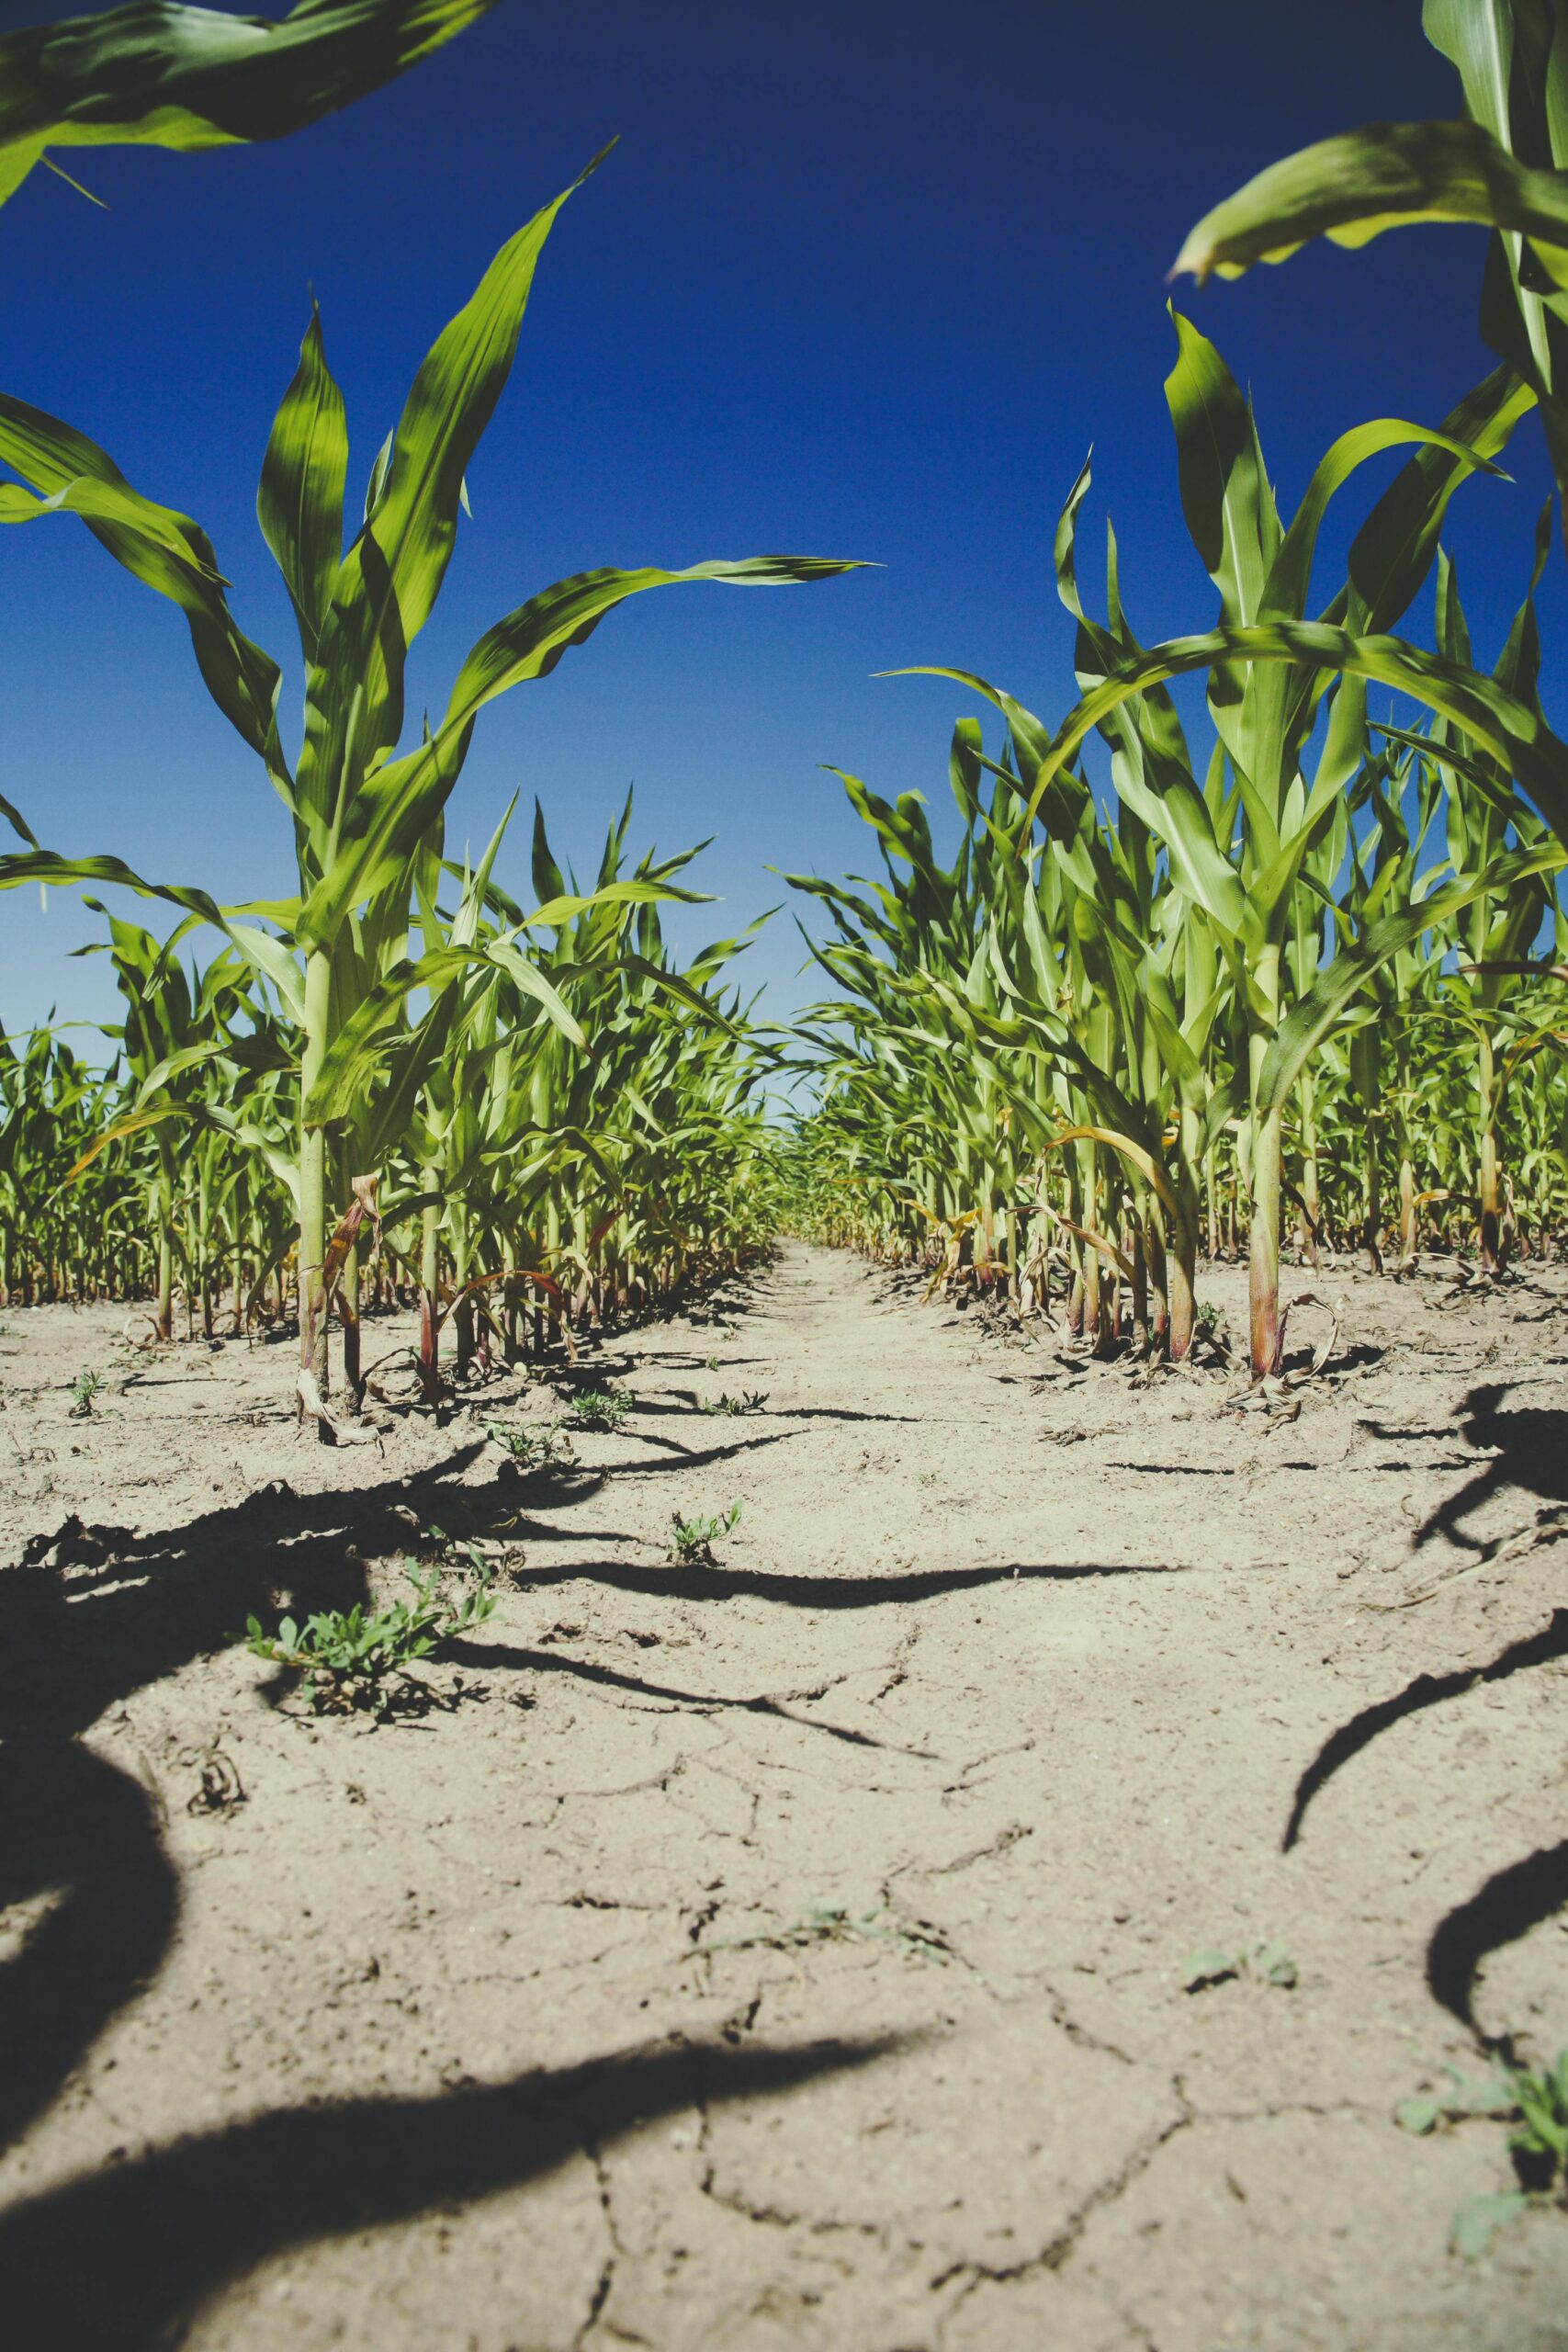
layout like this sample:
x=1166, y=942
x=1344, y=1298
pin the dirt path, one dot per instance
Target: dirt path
x=789, y=1952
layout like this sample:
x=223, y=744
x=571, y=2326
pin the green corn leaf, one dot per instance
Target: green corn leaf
x=1285, y=592
x=1519, y=736
x=556, y=912
x=1391, y=552
x=1062, y=799
x=400, y=799
x=272, y=960
x=672, y=985
x=963, y=768
x=167, y=552
x=102, y=501
x=387, y=584
x=157, y=74
x=549, y=882
x=1178, y=815
x=299, y=503
x=1225, y=490
x=174, y=1065
x=45, y=865
x=1384, y=176
x=378, y=481
x=17, y=823
x=1356, y=962
x=452, y=401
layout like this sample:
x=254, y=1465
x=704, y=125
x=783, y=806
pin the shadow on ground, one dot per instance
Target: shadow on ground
x=1505, y=1908
x=1427, y=1690
x=122, y=2259
x=1513, y=1900
x=1528, y=1447
x=101, y=1615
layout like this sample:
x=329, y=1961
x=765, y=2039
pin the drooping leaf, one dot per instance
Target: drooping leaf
x=160, y=74
x=165, y=550
x=1356, y=962
x=1519, y=736
x=1383, y=175
x=400, y=798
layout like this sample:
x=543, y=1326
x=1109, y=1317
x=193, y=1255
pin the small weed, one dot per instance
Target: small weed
x=1537, y=2105
x=1211, y=1341
x=1461, y=2096
x=1539, y=2143
x=752, y=1401
x=83, y=1388
x=691, y=1540
x=713, y=1360
x=458, y=1557
x=831, y=1923
x=347, y=1660
x=596, y=1409
x=1269, y=1964
x=548, y=1449
x=1477, y=2220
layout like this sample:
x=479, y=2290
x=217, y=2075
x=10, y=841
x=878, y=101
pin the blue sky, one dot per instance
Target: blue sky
x=859, y=280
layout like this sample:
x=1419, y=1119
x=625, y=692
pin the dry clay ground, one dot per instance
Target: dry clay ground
x=789, y=1952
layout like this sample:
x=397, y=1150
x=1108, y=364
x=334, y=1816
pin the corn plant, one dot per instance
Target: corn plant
x=1273, y=675
x=1060, y=1049
x=51, y=1108
x=360, y=811
x=175, y=1028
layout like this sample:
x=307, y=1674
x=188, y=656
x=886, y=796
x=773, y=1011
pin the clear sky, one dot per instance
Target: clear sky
x=861, y=279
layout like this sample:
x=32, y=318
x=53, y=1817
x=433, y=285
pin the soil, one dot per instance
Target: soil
x=789, y=1952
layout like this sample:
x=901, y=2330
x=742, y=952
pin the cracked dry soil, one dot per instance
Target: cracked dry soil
x=788, y=1952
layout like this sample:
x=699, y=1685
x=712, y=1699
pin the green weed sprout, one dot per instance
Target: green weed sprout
x=347, y=1660
x=750, y=1401
x=83, y=1388
x=1269, y=1964
x=1536, y=2105
x=691, y=1540
x=1539, y=2143
x=532, y=1449
x=833, y=1923
x=596, y=1409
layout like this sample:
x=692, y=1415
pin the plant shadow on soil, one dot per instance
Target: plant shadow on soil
x=1505, y=1908
x=1425, y=1690
x=1528, y=1452
x=1527, y=1456
x=831, y=1592
x=112, y=1613
x=170, y=2229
